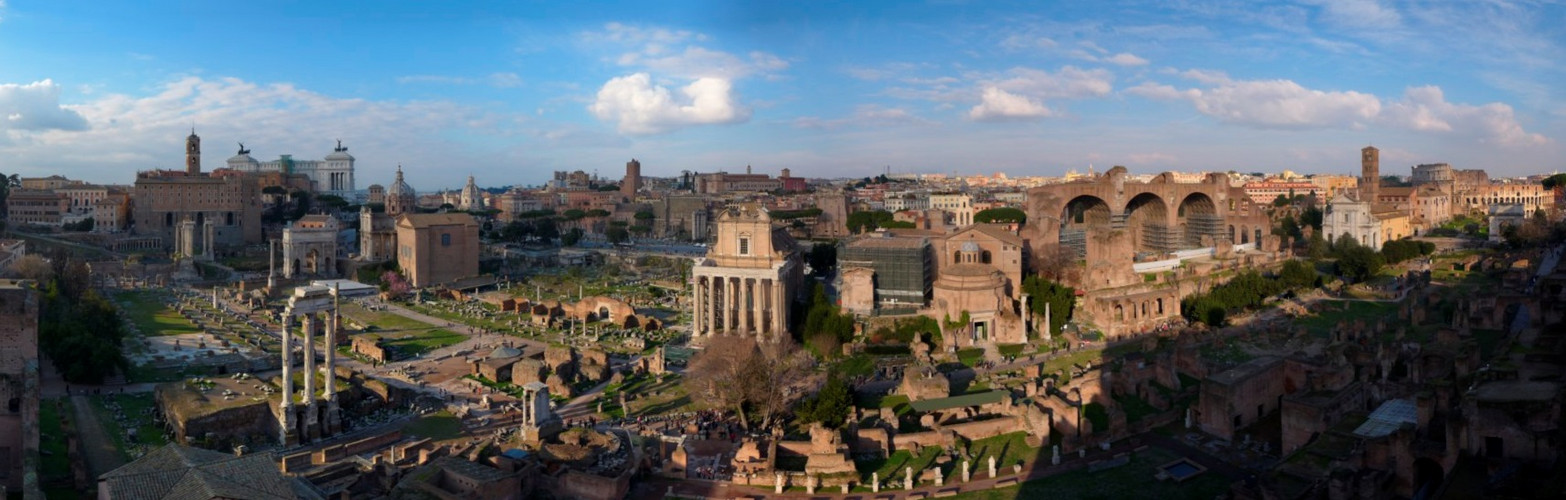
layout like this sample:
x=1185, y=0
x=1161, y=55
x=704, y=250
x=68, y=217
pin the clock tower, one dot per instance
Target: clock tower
x=193, y=153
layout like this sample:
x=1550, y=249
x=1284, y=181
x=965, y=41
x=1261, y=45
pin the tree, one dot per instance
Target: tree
x=1287, y=227
x=394, y=285
x=1359, y=263
x=830, y=406
x=570, y=238
x=736, y=372
x=1297, y=274
x=1058, y=297
x=1311, y=217
x=617, y=233
x=860, y=222
x=717, y=375
x=332, y=201
x=1554, y=181
x=1001, y=214
x=6, y=183
x=32, y=267
x=1317, y=247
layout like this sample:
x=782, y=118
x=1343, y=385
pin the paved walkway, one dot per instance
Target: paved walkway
x=97, y=446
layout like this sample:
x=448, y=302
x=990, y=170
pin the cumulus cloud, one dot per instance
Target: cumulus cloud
x=36, y=106
x=109, y=138
x=1284, y=104
x=677, y=53
x=1426, y=109
x=1126, y=59
x=1069, y=82
x=999, y=105
x=640, y=107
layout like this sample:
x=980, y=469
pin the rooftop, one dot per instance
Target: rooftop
x=1245, y=371
x=1387, y=418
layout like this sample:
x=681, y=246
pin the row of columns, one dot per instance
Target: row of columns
x=312, y=416
x=738, y=305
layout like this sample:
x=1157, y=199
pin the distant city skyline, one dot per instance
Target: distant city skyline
x=510, y=93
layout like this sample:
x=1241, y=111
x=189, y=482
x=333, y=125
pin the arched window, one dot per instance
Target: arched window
x=985, y=257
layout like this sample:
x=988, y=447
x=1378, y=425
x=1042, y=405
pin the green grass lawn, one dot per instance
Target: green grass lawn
x=414, y=343
x=1080, y=357
x=1133, y=480
x=56, y=458
x=970, y=357
x=438, y=426
x=134, y=407
x=1008, y=449
x=1321, y=324
x=893, y=465
x=154, y=318
x=1135, y=407
x=1011, y=349
x=144, y=373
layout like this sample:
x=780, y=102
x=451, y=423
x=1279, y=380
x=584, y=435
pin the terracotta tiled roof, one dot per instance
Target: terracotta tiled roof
x=177, y=472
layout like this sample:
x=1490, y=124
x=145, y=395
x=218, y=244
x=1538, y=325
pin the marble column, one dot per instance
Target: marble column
x=696, y=319
x=271, y=265
x=731, y=321
x=288, y=362
x=308, y=324
x=715, y=305
x=779, y=309
x=753, y=306
x=331, y=349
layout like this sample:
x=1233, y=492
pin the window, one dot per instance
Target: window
x=445, y=239
x=744, y=246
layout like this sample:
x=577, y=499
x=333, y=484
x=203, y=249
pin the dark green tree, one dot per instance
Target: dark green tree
x=830, y=406
x=1000, y=214
x=1060, y=298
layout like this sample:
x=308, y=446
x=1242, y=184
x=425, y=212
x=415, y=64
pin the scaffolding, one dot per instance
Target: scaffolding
x=1075, y=239
x=1160, y=238
x=904, y=267
x=1199, y=225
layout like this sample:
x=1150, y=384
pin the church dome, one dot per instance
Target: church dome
x=398, y=187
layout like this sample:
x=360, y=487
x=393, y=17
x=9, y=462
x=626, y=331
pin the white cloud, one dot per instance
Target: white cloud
x=674, y=52
x=999, y=105
x=1027, y=42
x=36, y=106
x=1288, y=105
x=1068, y=82
x=870, y=115
x=1126, y=59
x=1358, y=13
x=640, y=107
x=502, y=80
x=1425, y=109
x=119, y=134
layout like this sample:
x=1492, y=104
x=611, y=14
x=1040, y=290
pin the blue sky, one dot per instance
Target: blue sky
x=510, y=91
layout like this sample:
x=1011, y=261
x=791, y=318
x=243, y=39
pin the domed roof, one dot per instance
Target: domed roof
x=505, y=352
x=339, y=153
x=398, y=187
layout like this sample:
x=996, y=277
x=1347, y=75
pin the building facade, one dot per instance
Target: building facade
x=310, y=247
x=37, y=207
x=333, y=175
x=747, y=282
x=19, y=381
x=437, y=248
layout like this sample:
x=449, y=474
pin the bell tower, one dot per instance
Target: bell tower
x=1369, y=173
x=193, y=153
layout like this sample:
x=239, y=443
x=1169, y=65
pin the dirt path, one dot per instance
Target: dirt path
x=97, y=446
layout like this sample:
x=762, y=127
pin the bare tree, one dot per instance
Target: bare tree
x=32, y=267
x=780, y=374
x=738, y=372
x=717, y=376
